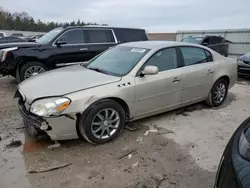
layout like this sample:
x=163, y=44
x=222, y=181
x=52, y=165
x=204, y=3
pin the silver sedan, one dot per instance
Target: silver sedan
x=128, y=82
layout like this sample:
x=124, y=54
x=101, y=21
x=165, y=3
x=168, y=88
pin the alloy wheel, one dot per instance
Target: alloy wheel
x=32, y=71
x=219, y=93
x=105, y=123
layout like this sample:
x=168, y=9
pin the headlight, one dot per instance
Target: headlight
x=244, y=144
x=49, y=107
x=4, y=52
x=240, y=61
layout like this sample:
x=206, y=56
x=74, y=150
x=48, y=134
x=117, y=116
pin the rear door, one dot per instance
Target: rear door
x=99, y=40
x=197, y=73
x=74, y=51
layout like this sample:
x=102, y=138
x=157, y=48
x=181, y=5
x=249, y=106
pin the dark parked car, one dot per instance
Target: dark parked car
x=4, y=40
x=19, y=35
x=244, y=65
x=62, y=47
x=216, y=43
x=234, y=167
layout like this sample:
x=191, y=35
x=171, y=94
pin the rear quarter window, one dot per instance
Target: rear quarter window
x=130, y=35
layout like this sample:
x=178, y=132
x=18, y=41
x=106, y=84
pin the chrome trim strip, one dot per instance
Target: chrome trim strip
x=86, y=43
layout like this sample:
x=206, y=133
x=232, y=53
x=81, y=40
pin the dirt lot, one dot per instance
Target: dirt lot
x=184, y=153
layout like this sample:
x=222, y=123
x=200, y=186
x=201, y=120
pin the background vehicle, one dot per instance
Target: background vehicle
x=2, y=34
x=128, y=82
x=216, y=43
x=33, y=38
x=244, y=65
x=234, y=167
x=20, y=35
x=62, y=47
x=4, y=40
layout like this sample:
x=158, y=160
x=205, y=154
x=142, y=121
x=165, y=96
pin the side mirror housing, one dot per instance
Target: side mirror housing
x=205, y=44
x=60, y=42
x=150, y=70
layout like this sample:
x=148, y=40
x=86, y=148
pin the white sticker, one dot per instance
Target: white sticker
x=140, y=50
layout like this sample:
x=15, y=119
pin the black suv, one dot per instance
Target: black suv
x=216, y=43
x=62, y=47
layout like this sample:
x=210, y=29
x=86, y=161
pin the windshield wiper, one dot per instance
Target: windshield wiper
x=97, y=70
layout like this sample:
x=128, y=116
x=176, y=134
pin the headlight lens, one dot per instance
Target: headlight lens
x=49, y=107
x=4, y=52
x=239, y=61
x=244, y=144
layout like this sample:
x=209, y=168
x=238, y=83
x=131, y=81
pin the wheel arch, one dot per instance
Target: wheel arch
x=120, y=101
x=224, y=77
x=22, y=61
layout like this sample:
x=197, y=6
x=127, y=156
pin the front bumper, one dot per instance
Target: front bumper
x=58, y=128
x=244, y=69
x=7, y=67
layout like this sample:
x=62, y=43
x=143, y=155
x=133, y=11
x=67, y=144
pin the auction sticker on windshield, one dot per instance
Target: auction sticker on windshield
x=140, y=50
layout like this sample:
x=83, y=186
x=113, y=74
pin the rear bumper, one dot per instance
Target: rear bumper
x=58, y=128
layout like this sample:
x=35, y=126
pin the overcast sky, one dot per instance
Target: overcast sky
x=152, y=15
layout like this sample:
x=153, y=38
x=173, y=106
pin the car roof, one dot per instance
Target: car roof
x=100, y=27
x=157, y=44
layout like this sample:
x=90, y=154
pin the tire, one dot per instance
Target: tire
x=213, y=98
x=88, y=121
x=38, y=68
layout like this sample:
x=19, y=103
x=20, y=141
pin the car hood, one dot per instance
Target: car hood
x=63, y=81
x=245, y=57
x=19, y=44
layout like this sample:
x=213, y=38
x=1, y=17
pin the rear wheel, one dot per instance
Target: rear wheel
x=102, y=123
x=218, y=93
x=31, y=69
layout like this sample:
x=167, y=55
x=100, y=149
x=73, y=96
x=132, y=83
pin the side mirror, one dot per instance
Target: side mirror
x=205, y=43
x=150, y=70
x=60, y=42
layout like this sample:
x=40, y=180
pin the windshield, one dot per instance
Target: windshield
x=118, y=61
x=45, y=39
x=195, y=40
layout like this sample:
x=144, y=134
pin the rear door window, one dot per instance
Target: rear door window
x=193, y=55
x=100, y=36
x=130, y=35
x=73, y=37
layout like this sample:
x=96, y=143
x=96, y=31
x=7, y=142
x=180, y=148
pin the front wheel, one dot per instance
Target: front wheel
x=31, y=69
x=218, y=93
x=102, y=123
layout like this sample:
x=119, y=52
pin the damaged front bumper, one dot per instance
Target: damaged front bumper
x=57, y=128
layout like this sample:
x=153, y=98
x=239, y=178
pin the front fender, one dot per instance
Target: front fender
x=83, y=99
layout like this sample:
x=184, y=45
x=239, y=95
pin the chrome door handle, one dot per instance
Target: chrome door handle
x=210, y=72
x=176, y=79
x=83, y=49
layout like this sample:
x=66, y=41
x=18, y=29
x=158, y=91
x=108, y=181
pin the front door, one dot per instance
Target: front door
x=74, y=51
x=154, y=93
x=197, y=72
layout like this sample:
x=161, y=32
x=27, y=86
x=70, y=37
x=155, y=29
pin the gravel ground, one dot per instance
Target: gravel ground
x=184, y=153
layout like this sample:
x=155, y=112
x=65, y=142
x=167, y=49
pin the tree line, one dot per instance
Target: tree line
x=24, y=22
